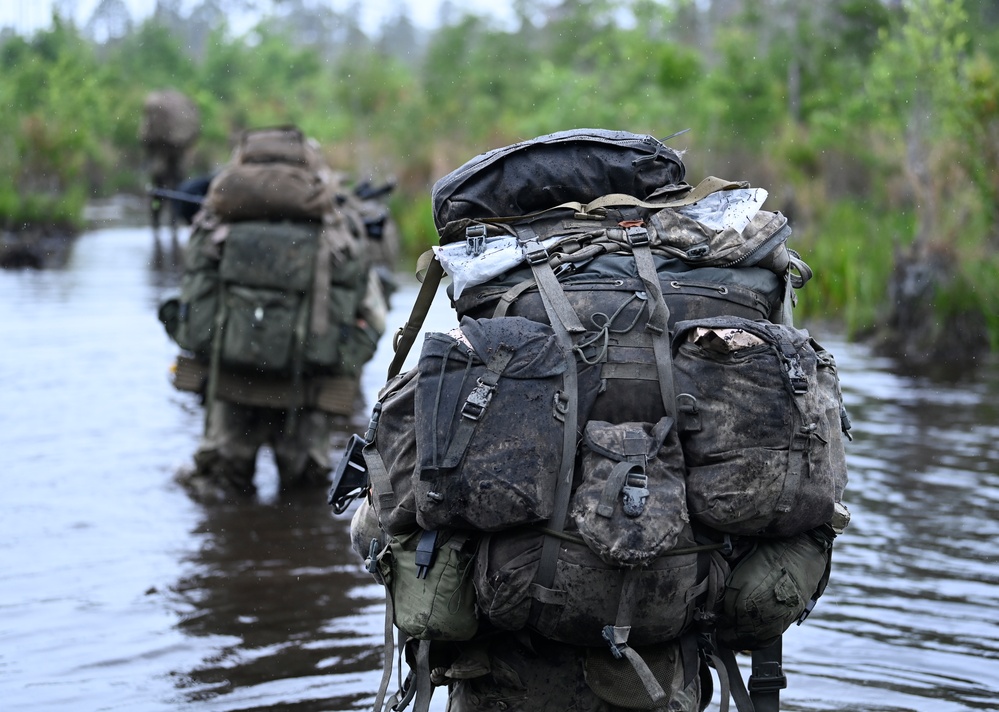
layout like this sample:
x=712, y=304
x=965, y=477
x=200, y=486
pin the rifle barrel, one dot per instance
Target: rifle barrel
x=176, y=195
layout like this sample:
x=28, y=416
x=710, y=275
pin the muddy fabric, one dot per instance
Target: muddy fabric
x=391, y=455
x=763, y=457
x=530, y=674
x=236, y=433
x=586, y=592
x=630, y=507
x=489, y=436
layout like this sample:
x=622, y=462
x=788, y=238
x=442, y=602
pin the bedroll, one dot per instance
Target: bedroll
x=626, y=422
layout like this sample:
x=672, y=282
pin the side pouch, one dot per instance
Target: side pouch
x=771, y=587
x=391, y=455
x=199, y=298
x=490, y=433
x=428, y=576
x=630, y=507
x=755, y=427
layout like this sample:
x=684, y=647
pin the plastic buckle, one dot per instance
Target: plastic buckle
x=425, y=553
x=638, y=236
x=478, y=399
x=767, y=677
x=475, y=240
x=535, y=253
x=608, y=634
x=634, y=494
x=560, y=406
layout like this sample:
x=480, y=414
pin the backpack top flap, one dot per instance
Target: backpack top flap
x=578, y=165
x=537, y=354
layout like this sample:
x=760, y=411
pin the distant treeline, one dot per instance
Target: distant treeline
x=874, y=124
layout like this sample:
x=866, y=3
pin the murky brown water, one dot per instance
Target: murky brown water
x=119, y=593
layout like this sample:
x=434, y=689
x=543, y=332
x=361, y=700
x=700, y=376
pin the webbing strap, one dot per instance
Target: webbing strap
x=617, y=637
x=556, y=303
x=475, y=405
x=706, y=187
x=388, y=653
x=767, y=678
x=658, y=324
x=406, y=336
x=563, y=489
x=320, y=319
x=221, y=314
x=381, y=483
x=731, y=681
x=511, y=295
x=424, y=687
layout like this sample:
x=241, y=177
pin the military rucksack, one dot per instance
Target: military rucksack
x=276, y=311
x=169, y=118
x=576, y=423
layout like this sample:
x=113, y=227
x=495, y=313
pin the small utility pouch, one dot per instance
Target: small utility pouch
x=489, y=435
x=771, y=587
x=759, y=427
x=631, y=504
x=428, y=576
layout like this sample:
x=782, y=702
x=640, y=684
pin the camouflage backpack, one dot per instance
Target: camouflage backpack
x=624, y=361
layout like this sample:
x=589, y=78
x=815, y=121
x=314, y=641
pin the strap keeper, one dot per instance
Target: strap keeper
x=477, y=401
x=535, y=252
x=638, y=236
x=475, y=240
x=767, y=677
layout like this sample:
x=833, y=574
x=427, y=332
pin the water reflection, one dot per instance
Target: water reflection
x=282, y=607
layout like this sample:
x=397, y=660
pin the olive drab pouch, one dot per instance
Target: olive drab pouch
x=266, y=272
x=428, y=577
x=489, y=434
x=586, y=593
x=630, y=506
x=760, y=428
x=771, y=587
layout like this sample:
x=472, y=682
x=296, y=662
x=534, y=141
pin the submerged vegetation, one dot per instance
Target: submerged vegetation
x=874, y=124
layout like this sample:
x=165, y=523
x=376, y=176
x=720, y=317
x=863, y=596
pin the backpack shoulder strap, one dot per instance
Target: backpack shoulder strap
x=406, y=336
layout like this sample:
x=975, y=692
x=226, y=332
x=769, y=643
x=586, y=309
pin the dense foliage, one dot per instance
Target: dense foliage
x=873, y=123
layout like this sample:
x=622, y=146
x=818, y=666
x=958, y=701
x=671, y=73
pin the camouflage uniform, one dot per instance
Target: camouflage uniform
x=226, y=457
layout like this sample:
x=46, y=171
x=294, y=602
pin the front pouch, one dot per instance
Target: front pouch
x=770, y=588
x=391, y=455
x=429, y=579
x=260, y=328
x=586, y=593
x=762, y=457
x=490, y=433
x=631, y=504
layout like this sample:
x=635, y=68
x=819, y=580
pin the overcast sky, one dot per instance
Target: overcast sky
x=29, y=15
